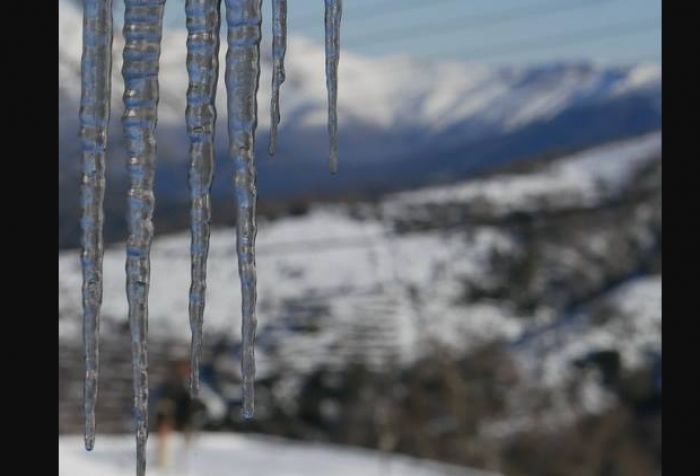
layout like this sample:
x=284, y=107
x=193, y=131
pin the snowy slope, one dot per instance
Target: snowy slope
x=546, y=357
x=385, y=283
x=635, y=333
x=421, y=113
x=216, y=454
x=335, y=272
x=350, y=271
x=585, y=179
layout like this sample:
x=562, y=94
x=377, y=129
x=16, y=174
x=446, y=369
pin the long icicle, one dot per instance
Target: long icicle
x=203, y=21
x=244, y=19
x=333, y=14
x=143, y=24
x=279, y=49
x=96, y=74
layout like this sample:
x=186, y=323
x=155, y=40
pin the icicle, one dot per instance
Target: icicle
x=244, y=19
x=279, y=48
x=333, y=14
x=203, y=20
x=143, y=23
x=96, y=74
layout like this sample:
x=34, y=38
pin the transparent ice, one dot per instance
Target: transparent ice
x=279, y=48
x=96, y=73
x=143, y=24
x=203, y=21
x=333, y=14
x=244, y=20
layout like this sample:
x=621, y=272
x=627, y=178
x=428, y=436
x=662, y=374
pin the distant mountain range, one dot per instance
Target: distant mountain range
x=559, y=262
x=403, y=122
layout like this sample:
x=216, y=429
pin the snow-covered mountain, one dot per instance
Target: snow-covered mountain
x=338, y=268
x=554, y=264
x=403, y=121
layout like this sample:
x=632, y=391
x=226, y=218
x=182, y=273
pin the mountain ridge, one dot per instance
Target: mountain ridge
x=404, y=122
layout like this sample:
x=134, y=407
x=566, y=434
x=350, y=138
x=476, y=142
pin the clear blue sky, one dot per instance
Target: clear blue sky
x=491, y=31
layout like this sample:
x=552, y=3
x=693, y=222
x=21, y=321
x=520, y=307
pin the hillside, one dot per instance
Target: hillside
x=548, y=261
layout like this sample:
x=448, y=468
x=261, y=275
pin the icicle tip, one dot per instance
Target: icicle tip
x=194, y=388
x=333, y=164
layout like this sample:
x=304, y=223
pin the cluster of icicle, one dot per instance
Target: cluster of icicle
x=143, y=23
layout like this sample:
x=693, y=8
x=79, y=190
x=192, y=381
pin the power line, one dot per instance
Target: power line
x=365, y=12
x=612, y=31
x=307, y=19
x=405, y=5
x=470, y=21
x=593, y=34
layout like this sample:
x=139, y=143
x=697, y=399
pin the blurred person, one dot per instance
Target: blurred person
x=175, y=411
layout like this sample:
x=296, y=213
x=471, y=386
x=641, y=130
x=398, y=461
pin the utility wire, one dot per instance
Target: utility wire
x=373, y=11
x=365, y=12
x=470, y=21
x=593, y=34
x=362, y=5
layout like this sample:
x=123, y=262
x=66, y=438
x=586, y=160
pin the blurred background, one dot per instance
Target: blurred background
x=478, y=291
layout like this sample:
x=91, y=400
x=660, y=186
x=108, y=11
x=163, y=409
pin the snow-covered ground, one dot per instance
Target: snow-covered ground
x=233, y=454
x=333, y=285
x=546, y=357
x=634, y=332
x=584, y=179
x=353, y=271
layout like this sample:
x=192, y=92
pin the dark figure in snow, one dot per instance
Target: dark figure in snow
x=175, y=411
